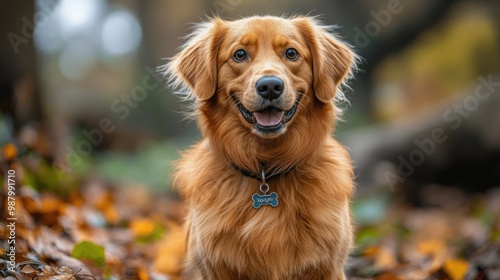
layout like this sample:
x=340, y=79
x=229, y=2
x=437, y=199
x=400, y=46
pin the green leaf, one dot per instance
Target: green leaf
x=86, y=250
x=368, y=236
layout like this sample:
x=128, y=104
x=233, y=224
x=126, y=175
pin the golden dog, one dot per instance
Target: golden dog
x=267, y=187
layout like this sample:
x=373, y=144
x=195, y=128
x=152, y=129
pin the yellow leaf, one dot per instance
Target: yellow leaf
x=142, y=227
x=111, y=215
x=142, y=273
x=171, y=251
x=456, y=268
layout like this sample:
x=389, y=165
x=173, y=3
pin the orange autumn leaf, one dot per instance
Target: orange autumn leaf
x=105, y=203
x=52, y=204
x=370, y=251
x=142, y=274
x=142, y=227
x=111, y=215
x=76, y=199
x=171, y=251
x=387, y=276
x=104, y=200
x=9, y=151
x=456, y=268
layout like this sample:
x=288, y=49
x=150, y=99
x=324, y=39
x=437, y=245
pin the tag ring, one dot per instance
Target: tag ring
x=264, y=188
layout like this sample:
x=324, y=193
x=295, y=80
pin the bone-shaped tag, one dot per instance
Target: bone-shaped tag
x=269, y=199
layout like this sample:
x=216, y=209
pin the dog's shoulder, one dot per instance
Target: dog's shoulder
x=191, y=165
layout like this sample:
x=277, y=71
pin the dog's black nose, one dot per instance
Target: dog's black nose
x=270, y=87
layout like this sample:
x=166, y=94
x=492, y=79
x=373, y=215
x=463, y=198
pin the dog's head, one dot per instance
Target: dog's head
x=263, y=77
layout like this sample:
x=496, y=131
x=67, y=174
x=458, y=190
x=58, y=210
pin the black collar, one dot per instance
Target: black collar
x=268, y=174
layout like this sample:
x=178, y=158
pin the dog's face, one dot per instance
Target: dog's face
x=265, y=66
x=263, y=78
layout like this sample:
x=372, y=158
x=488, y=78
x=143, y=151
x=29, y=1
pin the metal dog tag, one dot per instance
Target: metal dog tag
x=265, y=199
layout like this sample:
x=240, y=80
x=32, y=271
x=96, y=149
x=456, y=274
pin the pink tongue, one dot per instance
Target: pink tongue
x=268, y=118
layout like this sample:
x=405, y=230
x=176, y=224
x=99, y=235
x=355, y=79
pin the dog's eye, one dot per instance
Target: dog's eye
x=240, y=56
x=291, y=54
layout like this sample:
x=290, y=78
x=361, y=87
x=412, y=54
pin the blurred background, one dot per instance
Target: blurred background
x=79, y=89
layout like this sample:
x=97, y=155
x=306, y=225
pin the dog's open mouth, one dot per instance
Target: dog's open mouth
x=269, y=117
x=270, y=120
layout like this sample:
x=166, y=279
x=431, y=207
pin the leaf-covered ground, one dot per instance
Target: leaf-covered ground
x=94, y=230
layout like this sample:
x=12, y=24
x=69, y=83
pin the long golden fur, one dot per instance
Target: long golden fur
x=309, y=234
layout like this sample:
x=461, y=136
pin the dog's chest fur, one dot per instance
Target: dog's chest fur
x=301, y=233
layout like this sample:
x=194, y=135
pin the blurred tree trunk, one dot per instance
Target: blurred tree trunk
x=453, y=146
x=19, y=99
x=160, y=18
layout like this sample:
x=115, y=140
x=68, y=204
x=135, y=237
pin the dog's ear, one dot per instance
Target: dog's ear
x=332, y=60
x=195, y=67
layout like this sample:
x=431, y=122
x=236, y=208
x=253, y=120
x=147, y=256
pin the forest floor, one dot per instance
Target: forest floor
x=95, y=230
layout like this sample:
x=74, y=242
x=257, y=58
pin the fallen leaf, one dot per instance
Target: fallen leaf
x=431, y=247
x=387, y=276
x=171, y=251
x=142, y=273
x=51, y=204
x=456, y=268
x=89, y=251
x=9, y=151
x=385, y=259
x=142, y=227
x=370, y=251
x=27, y=269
